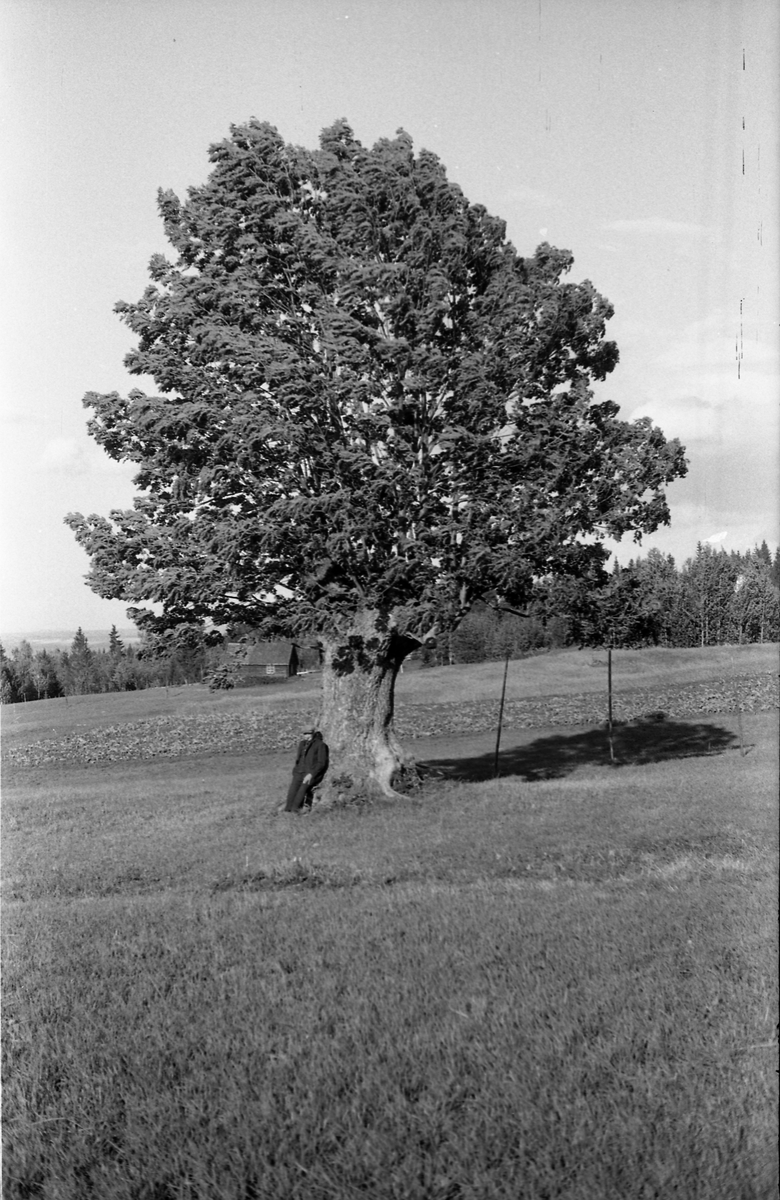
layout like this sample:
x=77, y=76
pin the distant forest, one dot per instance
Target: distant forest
x=716, y=598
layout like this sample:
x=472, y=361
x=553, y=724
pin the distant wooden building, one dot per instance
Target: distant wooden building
x=263, y=662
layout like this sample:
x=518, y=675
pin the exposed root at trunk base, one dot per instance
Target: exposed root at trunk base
x=407, y=779
x=352, y=789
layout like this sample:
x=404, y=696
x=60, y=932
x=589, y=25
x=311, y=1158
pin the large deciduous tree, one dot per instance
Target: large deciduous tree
x=372, y=411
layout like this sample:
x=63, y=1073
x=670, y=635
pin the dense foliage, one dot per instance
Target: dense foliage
x=372, y=411
x=367, y=396
x=47, y=674
x=715, y=599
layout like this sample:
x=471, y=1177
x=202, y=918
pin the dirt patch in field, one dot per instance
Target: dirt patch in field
x=277, y=729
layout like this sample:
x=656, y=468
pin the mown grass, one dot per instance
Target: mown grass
x=132, y=827
x=550, y=988
x=443, y=1041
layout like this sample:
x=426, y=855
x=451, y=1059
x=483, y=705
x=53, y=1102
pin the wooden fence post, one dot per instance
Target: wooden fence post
x=609, y=705
x=501, y=715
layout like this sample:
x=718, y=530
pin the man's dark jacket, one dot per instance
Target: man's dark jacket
x=311, y=759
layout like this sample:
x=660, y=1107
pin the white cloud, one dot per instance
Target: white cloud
x=722, y=342
x=63, y=454
x=520, y=193
x=686, y=417
x=728, y=422
x=76, y=456
x=661, y=226
x=714, y=382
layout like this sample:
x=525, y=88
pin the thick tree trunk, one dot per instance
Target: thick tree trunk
x=358, y=683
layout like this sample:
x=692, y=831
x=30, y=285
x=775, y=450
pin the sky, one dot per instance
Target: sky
x=641, y=136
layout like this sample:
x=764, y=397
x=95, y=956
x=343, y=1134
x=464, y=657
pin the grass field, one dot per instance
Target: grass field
x=558, y=983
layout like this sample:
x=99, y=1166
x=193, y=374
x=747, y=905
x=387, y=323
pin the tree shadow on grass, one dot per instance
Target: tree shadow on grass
x=645, y=741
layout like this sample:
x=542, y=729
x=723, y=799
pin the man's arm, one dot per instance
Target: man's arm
x=320, y=766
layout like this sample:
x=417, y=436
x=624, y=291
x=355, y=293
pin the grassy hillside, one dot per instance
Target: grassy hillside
x=562, y=982
x=566, y=672
x=270, y=717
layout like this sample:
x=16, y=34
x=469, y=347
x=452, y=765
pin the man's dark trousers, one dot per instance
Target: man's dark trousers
x=298, y=793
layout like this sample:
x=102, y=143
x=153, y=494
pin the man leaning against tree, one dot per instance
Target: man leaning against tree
x=311, y=763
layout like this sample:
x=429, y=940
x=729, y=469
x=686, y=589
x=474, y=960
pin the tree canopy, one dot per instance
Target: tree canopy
x=372, y=410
